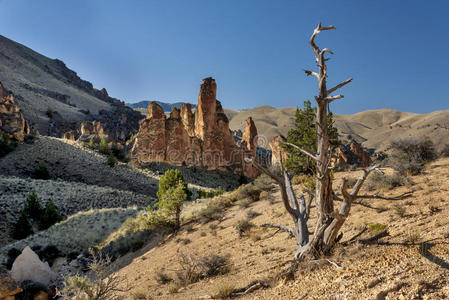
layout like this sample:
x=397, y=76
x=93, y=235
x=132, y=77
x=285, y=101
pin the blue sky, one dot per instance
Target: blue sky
x=256, y=50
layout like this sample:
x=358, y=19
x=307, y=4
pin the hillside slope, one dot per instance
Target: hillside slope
x=40, y=84
x=411, y=262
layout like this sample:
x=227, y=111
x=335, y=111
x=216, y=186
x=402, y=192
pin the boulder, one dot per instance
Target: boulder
x=28, y=266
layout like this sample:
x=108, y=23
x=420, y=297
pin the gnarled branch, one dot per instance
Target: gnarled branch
x=315, y=33
x=338, y=86
x=301, y=150
x=311, y=73
x=332, y=98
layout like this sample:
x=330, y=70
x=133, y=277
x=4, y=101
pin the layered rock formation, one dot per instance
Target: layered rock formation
x=201, y=139
x=352, y=155
x=11, y=119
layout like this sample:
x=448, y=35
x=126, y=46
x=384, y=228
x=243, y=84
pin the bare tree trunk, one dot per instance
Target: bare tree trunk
x=329, y=220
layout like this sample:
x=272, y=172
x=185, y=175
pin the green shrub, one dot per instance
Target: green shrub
x=91, y=144
x=22, y=228
x=211, y=212
x=6, y=145
x=376, y=228
x=243, y=226
x=104, y=148
x=49, y=113
x=162, y=277
x=111, y=161
x=32, y=207
x=117, y=152
x=210, y=194
x=224, y=290
x=194, y=268
x=41, y=171
x=383, y=181
x=410, y=155
x=50, y=216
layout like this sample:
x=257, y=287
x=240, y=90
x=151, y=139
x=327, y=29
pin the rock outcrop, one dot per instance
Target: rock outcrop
x=92, y=130
x=352, y=155
x=202, y=139
x=8, y=287
x=249, y=146
x=12, y=122
x=278, y=154
x=28, y=266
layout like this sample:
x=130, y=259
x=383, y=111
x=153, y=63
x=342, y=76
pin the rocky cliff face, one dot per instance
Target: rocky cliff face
x=201, y=139
x=11, y=119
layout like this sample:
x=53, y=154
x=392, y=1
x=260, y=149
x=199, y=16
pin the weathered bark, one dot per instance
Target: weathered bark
x=329, y=220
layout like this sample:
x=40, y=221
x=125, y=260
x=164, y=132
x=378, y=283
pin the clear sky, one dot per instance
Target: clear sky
x=256, y=50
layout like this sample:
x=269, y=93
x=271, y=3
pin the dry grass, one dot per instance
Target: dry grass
x=254, y=258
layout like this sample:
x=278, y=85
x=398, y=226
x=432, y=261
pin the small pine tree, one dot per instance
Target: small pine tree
x=91, y=143
x=170, y=203
x=41, y=172
x=6, y=145
x=104, y=148
x=172, y=178
x=33, y=207
x=50, y=216
x=304, y=136
x=22, y=228
x=111, y=161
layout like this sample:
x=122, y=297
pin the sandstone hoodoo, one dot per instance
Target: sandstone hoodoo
x=202, y=139
x=12, y=122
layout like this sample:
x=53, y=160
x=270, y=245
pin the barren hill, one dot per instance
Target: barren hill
x=41, y=84
x=374, y=129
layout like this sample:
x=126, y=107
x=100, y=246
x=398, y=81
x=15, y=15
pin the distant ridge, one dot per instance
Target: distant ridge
x=167, y=107
x=374, y=129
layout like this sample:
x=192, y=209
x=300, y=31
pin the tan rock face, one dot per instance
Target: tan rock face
x=201, y=139
x=11, y=119
x=277, y=152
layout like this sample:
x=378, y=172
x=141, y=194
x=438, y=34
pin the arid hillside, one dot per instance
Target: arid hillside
x=53, y=98
x=394, y=246
x=374, y=129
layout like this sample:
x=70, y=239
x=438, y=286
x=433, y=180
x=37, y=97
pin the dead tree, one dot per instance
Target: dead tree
x=329, y=220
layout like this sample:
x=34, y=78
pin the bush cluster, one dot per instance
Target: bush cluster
x=194, y=268
x=210, y=194
x=41, y=171
x=409, y=155
x=384, y=181
x=33, y=210
x=6, y=145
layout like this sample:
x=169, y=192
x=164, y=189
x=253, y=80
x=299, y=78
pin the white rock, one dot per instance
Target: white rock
x=28, y=266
